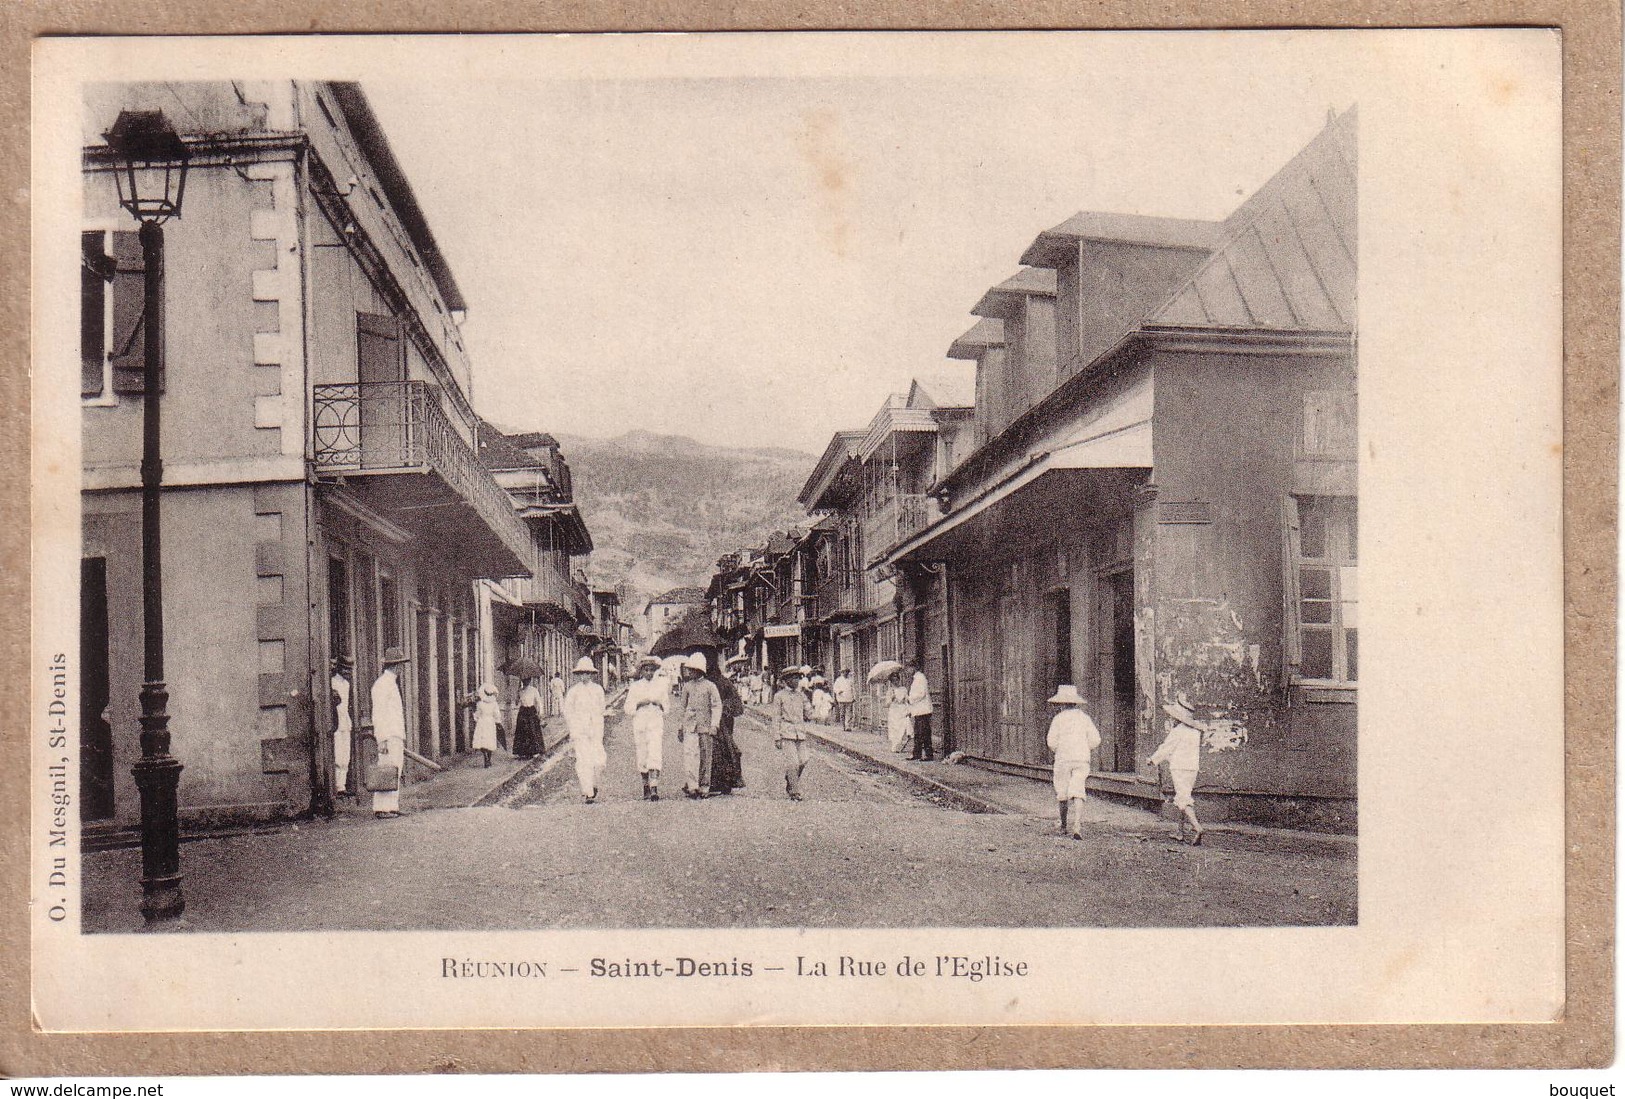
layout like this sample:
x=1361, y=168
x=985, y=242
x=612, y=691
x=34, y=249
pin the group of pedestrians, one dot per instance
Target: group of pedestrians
x=709, y=701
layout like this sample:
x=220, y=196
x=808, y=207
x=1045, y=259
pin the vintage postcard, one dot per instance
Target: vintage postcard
x=797, y=529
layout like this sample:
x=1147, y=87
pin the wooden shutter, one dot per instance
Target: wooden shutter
x=1291, y=649
x=95, y=272
x=128, y=351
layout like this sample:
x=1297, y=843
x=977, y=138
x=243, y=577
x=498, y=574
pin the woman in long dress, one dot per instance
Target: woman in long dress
x=727, y=768
x=527, y=724
x=486, y=718
x=899, y=722
x=822, y=701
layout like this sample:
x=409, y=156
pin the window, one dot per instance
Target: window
x=1329, y=424
x=112, y=299
x=1322, y=590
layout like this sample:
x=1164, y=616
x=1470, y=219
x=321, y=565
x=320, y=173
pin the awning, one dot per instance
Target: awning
x=1126, y=448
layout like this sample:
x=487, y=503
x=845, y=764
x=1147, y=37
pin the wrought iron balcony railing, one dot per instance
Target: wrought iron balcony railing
x=403, y=428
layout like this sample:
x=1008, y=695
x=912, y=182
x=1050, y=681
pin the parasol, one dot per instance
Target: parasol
x=523, y=668
x=686, y=637
x=884, y=670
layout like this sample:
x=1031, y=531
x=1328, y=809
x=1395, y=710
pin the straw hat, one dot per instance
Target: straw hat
x=395, y=655
x=1181, y=713
x=1066, y=695
x=487, y=690
x=789, y=674
x=585, y=666
x=648, y=661
x=697, y=662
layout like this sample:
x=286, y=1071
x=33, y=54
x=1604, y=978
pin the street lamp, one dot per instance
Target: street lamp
x=151, y=162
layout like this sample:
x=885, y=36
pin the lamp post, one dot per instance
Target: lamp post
x=151, y=163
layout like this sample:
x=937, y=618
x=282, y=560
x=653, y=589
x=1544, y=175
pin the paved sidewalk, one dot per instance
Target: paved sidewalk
x=996, y=792
x=465, y=781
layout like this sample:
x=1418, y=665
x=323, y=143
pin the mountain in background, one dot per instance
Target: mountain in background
x=663, y=508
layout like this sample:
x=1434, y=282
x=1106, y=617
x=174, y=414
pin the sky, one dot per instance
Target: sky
x=759, y=259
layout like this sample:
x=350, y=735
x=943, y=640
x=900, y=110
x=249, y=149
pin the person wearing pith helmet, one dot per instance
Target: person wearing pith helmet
x=1072, y=736
x=789, y=736
x=584, y=717
x=646, y=702
x=389, y=730
x=702, y=714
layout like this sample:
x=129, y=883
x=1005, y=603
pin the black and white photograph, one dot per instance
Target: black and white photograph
x=787, y=484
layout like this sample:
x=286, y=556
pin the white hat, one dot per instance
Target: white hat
x=697, y=662
x=487, y=690
x=648, y=661
x=1182, y=714
x=1067, y=695
x=585, y=664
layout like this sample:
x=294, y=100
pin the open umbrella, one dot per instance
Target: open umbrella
x=523, y=668
x=685, y=637
x=884, y=670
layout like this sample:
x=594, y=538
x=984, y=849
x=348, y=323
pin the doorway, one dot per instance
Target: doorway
x=1116, y=678
x=95, y=732
x=380, y=401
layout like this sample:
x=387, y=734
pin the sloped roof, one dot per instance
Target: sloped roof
x=842, y=450
x=530, y=439
x=1052, y=244
x=497, y=451
x=985, y=333
x=676, y=596
x=952, y=388
x=1038, y=281
x=1288, y=261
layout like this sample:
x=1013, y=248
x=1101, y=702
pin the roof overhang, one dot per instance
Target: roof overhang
x=973, y=343
x=833, y=474
x=892, y=421
x=575, y=539
x=369, y=135
x=1078, y=478
x=1002, y=300
x=1056, y=245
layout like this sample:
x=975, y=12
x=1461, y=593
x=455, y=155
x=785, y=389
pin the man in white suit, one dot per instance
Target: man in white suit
x=389, y=730
x=584, y=717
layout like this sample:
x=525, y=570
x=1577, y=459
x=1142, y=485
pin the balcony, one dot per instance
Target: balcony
x=395, y=448
x=556, y=597
x=903, y=516
x=839, y=598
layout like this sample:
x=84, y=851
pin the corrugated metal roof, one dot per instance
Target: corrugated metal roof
x=1050, y=245
x=985, y=333
x=1288, y=261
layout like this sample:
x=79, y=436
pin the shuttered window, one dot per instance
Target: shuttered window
x=1322, y=590
x=112, y=331
x=95, y=276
